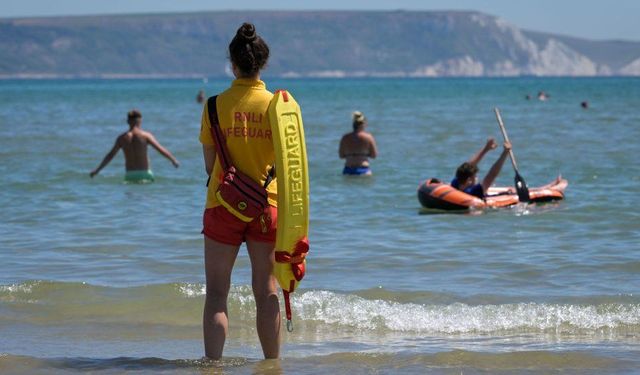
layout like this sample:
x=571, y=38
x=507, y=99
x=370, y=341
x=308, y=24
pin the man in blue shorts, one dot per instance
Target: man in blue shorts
x=466, y=174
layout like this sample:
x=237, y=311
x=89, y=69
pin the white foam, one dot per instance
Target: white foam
x=351, y=310
x=19, y=288
x=192, y=290
x=361, y=313
x=238, y=294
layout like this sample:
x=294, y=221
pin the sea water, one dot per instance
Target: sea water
x=98, y=275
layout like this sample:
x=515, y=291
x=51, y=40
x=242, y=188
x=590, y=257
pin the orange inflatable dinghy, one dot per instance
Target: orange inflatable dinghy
x=434, y=194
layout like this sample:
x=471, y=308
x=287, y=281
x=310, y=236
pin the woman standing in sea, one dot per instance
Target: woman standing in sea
x=243, y=119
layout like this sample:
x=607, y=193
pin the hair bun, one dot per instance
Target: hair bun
x=358, y=116
x=247, y=32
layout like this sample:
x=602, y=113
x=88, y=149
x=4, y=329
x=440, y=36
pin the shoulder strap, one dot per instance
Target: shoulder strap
x=221, y=143
x=216, y=133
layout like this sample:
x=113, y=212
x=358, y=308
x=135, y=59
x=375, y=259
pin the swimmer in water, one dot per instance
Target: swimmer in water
x=200, y=97
x=542, y=96
x=134, y=145
x=357, y=147
x=466, y=174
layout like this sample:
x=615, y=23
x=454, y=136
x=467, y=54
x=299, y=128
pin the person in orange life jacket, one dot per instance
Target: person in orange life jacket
x=243, y=119
x=466, y=174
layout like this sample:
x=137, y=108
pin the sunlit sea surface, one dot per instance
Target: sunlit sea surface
x=98, y=275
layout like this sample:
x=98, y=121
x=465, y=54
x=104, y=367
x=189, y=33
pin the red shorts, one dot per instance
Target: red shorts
x=220, y=225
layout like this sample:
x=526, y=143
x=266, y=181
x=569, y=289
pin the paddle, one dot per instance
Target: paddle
x=521, y=186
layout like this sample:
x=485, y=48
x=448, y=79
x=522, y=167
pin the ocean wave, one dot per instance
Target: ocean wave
x=178, y=304
x=350, y=310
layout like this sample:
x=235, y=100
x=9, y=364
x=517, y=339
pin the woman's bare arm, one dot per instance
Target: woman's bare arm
x=209, y=153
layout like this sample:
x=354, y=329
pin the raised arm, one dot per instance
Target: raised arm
x=490, y=145
x=107, y=158
x=496, y=167
x=155, y=144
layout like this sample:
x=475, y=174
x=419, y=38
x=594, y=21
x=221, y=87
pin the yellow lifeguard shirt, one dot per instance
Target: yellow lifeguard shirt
x=242, y=113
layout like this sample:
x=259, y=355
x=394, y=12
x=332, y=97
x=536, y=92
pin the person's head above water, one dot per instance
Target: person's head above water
x=134, y=118
x=248, y=52
x=359, y=121
x=465, y=174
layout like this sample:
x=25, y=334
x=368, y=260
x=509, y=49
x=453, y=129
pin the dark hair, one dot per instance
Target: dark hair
x=248, y=51
x=465, y=170
x=133, y=114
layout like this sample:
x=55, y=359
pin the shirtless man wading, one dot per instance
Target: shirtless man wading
x=134, y=145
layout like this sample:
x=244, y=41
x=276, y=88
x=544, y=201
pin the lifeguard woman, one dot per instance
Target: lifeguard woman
x=242, y=114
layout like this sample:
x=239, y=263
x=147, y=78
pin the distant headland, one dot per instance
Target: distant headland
x=303, y=44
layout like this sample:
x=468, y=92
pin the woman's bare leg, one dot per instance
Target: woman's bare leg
x=218, y=263
x=266, y=295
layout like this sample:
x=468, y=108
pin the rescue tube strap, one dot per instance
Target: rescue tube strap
x=299, y=253
x=296, y=260
x=287, y=309
x=284, y=257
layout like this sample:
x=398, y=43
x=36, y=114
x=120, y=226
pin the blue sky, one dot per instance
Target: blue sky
x=593, y=19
